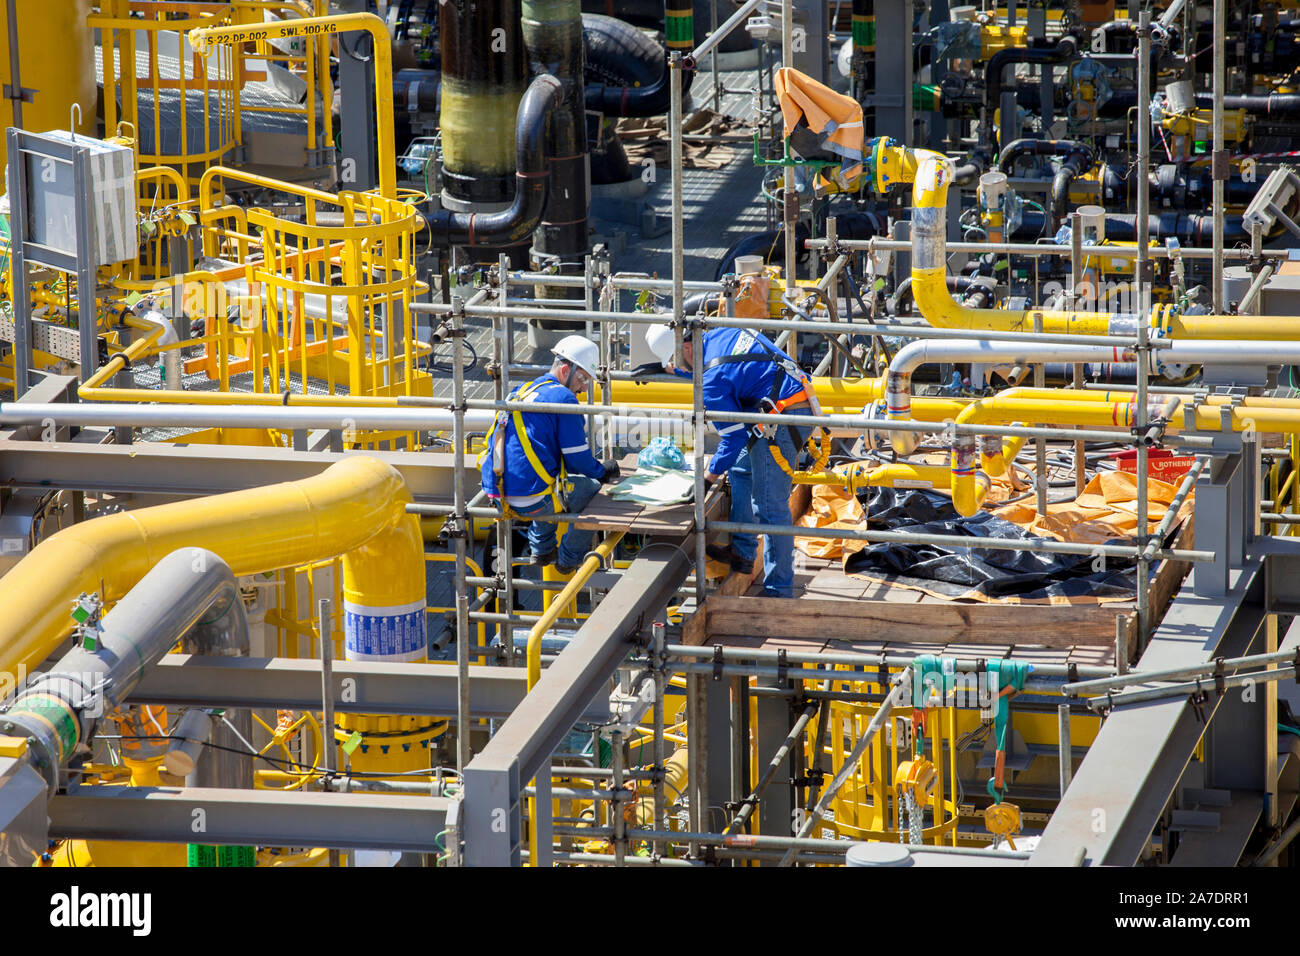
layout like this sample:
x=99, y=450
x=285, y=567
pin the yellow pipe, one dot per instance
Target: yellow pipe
x=356, y=508
x=137, y=349
x=676, y=775
x=836, y=396
x=850, y=393
x=995, y=454
x=930, y=174
x=1098, y=410
x=201, y=37
x=860, y=474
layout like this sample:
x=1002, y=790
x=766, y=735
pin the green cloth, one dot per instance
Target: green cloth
x=1002, y=674
x=655, y=486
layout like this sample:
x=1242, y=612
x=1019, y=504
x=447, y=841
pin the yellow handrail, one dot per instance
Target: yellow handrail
x=202, y=37
x=544, y=624
x=552, y=613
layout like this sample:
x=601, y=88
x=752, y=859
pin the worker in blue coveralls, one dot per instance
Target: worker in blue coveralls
x=539, y=463
x=745, y=372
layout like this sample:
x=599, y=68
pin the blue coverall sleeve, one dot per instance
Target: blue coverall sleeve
x=719, y=396
x=578, y=458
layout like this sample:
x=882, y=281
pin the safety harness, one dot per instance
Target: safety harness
x=496, y=447
x=771, y=405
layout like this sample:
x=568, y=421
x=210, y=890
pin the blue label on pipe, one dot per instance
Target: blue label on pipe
x=384, y=633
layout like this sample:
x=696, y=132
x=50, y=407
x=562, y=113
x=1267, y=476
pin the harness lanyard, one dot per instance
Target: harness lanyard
x=521, y=433
x=788, y=366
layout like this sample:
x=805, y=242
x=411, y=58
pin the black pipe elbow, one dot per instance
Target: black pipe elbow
x=651, y=100
x=1058, y=52
x=1078, y=154
x=971, y=170
x=532, y=170
x=654, y=98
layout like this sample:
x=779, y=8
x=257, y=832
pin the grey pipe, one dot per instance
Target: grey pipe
x=1134, y=678
x=189, y=737
x=222, y=631
x=898, y=379
x=60, y=709
x=1035, y=249
x=862, y=660
x=239, y=416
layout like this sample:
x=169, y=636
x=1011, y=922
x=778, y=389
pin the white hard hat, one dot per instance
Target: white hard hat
x=662, y=342
x=579, y=350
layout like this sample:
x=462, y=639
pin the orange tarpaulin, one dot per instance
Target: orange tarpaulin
x=803, y=97
x=1107, y=509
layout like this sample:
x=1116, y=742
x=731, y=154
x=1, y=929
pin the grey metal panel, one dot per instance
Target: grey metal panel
x=774, y=720
x=23, y=835
x=1129, y=774
x=540, y=722
x=182, y=469
x=893, y=96
x=344, y=821
x=375, y=687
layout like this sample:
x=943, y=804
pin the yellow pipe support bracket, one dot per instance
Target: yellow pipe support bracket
x=202, y=38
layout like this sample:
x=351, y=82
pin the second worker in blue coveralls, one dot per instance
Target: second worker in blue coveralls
x=745, y=372
x=540, y=463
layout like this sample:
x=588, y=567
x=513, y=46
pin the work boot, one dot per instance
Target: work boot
x=542, y=560
x=723, y=554
x=566, y=569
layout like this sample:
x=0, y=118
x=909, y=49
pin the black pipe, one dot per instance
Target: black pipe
x=482, y=77
x=1041, y=147
x=653, y=99
x=552, y=31
x=1191, y=229
x=1058, y=52
x=863, y=71
x=1282, y=105
x=971, y=170
x=958, y=284
x=541, y=102
x=1116, y=30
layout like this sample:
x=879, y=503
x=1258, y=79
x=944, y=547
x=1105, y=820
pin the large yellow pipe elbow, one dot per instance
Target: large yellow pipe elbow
x=356, y=507
x=930, y=179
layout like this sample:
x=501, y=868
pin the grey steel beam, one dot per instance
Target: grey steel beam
x=1123, y=785
x=179, y=469
x=493, y=821
x=361, y=687
x=342, y=821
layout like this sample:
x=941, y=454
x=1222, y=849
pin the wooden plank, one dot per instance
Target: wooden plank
x=695, y=631
x=1055, y=626
x=606, y=514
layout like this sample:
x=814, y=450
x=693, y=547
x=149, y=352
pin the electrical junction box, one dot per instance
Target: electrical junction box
x=108, y=200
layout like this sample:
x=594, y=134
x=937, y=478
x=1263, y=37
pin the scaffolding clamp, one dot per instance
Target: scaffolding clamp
x=717, y=662
x=782, y=665
x=1219, y=684
x=1197, y=700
